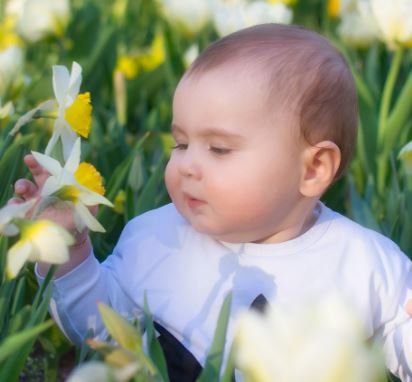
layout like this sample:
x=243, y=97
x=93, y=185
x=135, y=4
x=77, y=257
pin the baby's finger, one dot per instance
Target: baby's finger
x=39, y=173
x=15, y=201
x=25, y=189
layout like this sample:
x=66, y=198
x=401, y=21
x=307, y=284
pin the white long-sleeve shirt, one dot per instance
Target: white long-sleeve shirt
x=187, y=275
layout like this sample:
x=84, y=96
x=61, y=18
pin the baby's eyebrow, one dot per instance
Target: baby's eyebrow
x=210, y=132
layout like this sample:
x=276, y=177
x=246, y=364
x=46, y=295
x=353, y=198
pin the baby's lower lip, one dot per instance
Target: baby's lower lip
x=193, y=202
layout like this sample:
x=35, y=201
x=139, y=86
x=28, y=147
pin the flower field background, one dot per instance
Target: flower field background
x=125, y=58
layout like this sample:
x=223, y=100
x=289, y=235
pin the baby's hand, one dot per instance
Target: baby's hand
x=26, y=190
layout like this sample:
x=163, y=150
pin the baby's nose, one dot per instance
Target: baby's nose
x=189, y=165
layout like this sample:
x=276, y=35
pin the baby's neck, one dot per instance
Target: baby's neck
x=289, y=233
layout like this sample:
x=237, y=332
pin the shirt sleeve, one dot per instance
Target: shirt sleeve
x=76, y=294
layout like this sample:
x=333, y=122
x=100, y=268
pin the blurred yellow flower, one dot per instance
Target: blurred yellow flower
x=7, y=110
x=147, y=59
x=40, y=240
x=155, y=55
x=8, y=36
x=324, y=342
x=405, y=155
x=119, y=201
x=79, y=114
x=128, y=66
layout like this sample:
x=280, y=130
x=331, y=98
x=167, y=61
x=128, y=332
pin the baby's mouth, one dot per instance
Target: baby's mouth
x=192, y=202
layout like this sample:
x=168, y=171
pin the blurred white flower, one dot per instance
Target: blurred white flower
x=96, y=371
x=405, y=155
x=320, y=343
x=188, y=16
x=11, y=66
x=13, y=211
x=358, y=29
x=191, y=54
x=40, y=240
x=79, y=184
x=74, y=109
x=394, y=20
x=229, y=17
x=37, y=19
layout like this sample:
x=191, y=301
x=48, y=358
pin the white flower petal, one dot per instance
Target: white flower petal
x=74, y=84
x=90, y=198
x=73, y=159
x=51, y=185
x=17, y=256
x=52, y=142
x=61, y=80
x=11, y=211
x=50, y=164
x=88, y=219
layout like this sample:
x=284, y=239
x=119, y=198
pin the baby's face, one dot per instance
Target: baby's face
x=235, y=171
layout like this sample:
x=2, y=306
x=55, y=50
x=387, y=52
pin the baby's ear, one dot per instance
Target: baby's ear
x=320, y=164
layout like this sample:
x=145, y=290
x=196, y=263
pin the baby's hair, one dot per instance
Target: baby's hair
x=305, y=72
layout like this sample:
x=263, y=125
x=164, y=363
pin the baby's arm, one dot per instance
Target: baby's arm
x=79, y=283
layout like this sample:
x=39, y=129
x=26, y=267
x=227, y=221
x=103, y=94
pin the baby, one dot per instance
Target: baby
x=264, y=121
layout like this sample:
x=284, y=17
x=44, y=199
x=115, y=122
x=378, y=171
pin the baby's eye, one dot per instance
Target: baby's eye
x=219, y=150
x=179, y=146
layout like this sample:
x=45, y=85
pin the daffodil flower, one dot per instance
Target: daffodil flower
x=13, y=211
x=79, y=184
x=74, y=109
x=40, y=240
x=405, y=155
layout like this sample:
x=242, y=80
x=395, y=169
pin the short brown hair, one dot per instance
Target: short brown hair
x=308, y=72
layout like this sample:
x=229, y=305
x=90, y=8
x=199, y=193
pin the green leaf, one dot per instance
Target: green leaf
x=147, y=198
x=153, y=345
x=13, y=343
x=361, y=212
x=211, y=371
x=120, y=329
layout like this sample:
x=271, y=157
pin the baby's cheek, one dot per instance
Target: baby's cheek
x=171, y=178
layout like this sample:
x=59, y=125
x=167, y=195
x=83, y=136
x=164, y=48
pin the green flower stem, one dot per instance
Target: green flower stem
x=5, y=144
x=387, y=94
x=383, y=150
x=401, y=111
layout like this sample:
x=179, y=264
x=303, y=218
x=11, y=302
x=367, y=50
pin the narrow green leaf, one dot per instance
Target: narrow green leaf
x=153, y=345
x=211, y=371
x=147, y=198
x=14, y=342
x=361, y=212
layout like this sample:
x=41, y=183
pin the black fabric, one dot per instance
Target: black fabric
x=259, y=303
x=182, y=366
